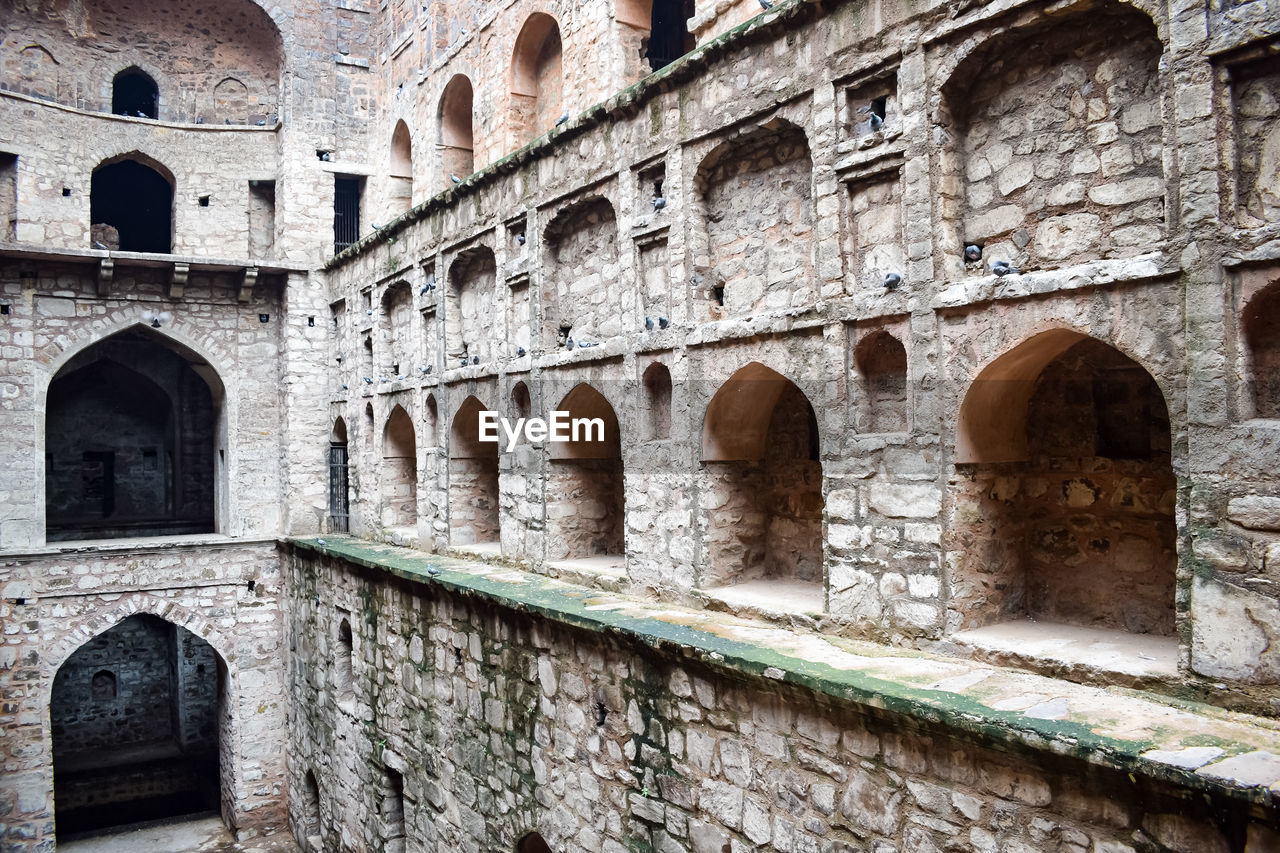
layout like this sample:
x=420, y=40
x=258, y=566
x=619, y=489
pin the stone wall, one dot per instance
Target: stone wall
x=499, y=723
x=579, y=303
x=222, y=593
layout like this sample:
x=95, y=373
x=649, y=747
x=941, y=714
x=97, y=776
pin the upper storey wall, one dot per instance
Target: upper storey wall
x=214, y=62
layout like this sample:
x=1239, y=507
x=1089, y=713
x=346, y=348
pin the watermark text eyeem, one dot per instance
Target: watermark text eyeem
x=559, y=427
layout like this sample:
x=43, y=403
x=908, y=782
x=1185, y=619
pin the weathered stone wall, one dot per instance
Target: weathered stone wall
x=579, y=301
x=501, y=722
x=223, y=592
x=1256, y=99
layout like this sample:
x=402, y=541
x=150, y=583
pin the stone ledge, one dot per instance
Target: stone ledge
x=1195, y=746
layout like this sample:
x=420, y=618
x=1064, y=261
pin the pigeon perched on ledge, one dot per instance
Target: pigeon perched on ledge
x=892, y=280
x=1003, y=268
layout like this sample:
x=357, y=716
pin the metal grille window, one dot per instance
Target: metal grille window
x=346, y=212
x=339, y=514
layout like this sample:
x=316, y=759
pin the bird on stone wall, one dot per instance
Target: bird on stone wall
x=520, y=238
x=648, y=324
x=766, y=4
x=98, y=244
x=569, y=344
x=659, y=202
x=475, y=359
x=562, y=119
x=262, y=122
x=375, y=226
x=462, y=360
x=972, y=252
x=892, y=280
x=1003, y=268
x=585, y=344
x=663, y=322
x=455, y=178
x=368, y=380
x=520, y=352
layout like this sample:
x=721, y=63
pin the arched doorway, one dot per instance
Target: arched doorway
x=131, y=427
x=456, y=133
x=536, y=79
x=137, y=716
x=131, y=207
x=1063, y=468
x=339, y=479
x=401, y=169
x=762, y=476
x=585, y=490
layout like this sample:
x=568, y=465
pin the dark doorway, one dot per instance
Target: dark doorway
x=134, y=93
x=129, y=441
x=135, y=200
x=135, y=721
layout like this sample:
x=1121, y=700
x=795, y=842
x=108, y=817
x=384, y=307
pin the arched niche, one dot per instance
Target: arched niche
x=457, y=130
x=339, y=479
x=135, y=93
x=537, y=80
x=581, y=259
x=585, y=488
x=763, y=525
x=399, y=479
x=401, y=166
x=1063, y=459
x=473, y=479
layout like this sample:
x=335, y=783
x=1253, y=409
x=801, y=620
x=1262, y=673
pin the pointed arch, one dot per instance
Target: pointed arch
x=474, y=517
x=134, y=93
x=1063, y=447
x=400, y=161
x=457, y=129
x=399, y=479
x=536, y=78
x=586, y=504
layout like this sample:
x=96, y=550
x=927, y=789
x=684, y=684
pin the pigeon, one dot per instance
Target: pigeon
x=972, y=252
x=340, y=359
x=892, y=280
x=429, y=368
x=141, y=114
x=368, y=380
x=475, y=359
x=520, y=352
x=1003, y=268
x=200, y=120
x=344, y=386
x=375, y=226
x=325, y=156
x=424, y=369
x=433, y=571
x=876, y=121
x=455, y=178
x=663, y=322
x=369, y=311
x=224, y=121
x=383, y=379
x=262, y=122
x=585, y=344
x=562, y=119
x=319, y=541
x=648, y=324
x=462, y=359
x=659, y=202
x=98, y=244
x=520, y=238
x=766, y=4
x=569, y=343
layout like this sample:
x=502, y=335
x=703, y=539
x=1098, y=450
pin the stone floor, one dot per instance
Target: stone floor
x=1097, y=649
x=197, y=835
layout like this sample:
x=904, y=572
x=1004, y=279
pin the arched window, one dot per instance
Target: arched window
x=520, y=400
x=456, y=130
x=343, y=662
x=432, y=422
x=131, y=428
x=131, y=206
x=310, y=827
x=231, y=102
x=657, y=385
x=134, y=93
x=339, y=506
x=401, y=169
x=536, y=79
